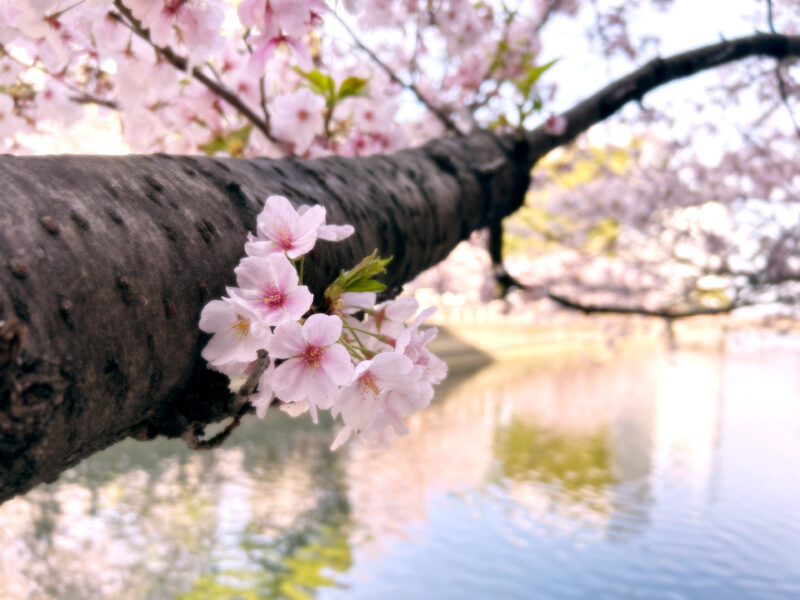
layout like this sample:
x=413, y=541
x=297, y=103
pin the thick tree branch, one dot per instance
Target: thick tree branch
x=656, y=73
x=107, y=262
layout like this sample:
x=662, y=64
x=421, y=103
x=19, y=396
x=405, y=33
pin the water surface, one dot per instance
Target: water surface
x=651, y=475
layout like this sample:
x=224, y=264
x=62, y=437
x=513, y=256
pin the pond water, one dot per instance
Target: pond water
x=651, y=475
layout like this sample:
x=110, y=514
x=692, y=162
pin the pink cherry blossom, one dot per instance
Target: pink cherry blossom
x=270, y=286
x=282, y=229
x=238, y=335
x=298, y=117
x=413, y=343
x=330, y=233
x=273, y=17
x=361, y=400
x=316, y=364
x=264, y=48
x=390, y=316
x=10, y=123
x=353, y=302
x=353, y=6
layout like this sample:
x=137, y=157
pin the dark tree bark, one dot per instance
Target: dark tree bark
x=109, y=260
x=106, y=262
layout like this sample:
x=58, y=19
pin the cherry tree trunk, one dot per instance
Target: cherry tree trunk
x=108, y=261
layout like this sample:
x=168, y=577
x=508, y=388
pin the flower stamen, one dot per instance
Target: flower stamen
x=240, y=327
x=271, y=295
x=312, y=355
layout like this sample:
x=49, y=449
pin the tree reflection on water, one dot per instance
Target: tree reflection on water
x=538, y=452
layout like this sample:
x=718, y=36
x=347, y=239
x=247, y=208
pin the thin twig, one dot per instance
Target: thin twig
x=770, y=21
x=262, y=87
x=241, y=404
x=588, y=309
x=439, y=113
x=654, y=74
x=779, y=75
x=85, y=98
x=507, y=281
x=80, y=97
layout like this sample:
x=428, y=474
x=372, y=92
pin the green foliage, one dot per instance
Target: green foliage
x=535, y=228
x=603, y=236
x=319, y=83
x=233, y=143
x=712, y=298
x=19, y=90
x=577, y=463
x=352, y=86
x=295, y=572
x=572, y=169
x=360, y=278
x=532, y=75
x=325, y=86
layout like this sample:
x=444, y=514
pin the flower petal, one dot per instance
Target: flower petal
x=335, y=233
x=322, y=330
x=291, y=380
x=341, y=437
x=280, y=208
x=282, y=273
x=401, y=309
x=298, y=302
x=286, y=341
x=216, y=315
x=295, y=409
x=336, y=364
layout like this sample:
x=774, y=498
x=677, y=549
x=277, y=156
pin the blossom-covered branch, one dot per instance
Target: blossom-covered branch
x=652, y=75
x=440, y=114
x=182, y=64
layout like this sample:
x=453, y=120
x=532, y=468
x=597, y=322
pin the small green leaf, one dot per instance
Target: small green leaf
x=366, y=285
x=352, y=86
x=532, y=75
x=212, y=147
x=234, y=143
x=358, y=279
x=319, y=83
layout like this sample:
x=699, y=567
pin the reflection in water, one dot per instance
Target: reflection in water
x=576, y=464
x=650, y=475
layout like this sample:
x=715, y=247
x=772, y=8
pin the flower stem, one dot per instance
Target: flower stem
x=377, y=336
x=353, y=352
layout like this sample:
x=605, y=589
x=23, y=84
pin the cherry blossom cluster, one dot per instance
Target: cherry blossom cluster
x=170, y=69
x=357, y=359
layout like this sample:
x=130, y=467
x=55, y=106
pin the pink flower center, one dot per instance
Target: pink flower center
x=312, y=355
x=171, y=7
x=284, y=239
x=271, y=295
x=368, y=383
x=302, y=114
